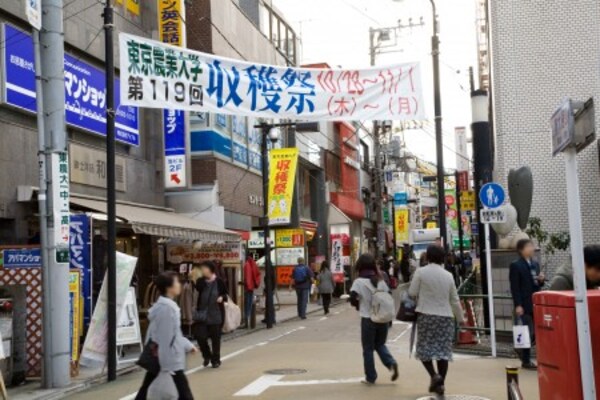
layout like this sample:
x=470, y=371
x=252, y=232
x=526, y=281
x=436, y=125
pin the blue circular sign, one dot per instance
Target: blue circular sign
x=492, y=195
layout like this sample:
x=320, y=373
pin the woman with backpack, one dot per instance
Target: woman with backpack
x=438, y=306
x=326, y=285
x=365, y=289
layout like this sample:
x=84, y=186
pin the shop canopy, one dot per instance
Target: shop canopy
x=337, y=216
x=149, y=220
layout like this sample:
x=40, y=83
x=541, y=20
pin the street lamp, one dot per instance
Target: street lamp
x=271, y=132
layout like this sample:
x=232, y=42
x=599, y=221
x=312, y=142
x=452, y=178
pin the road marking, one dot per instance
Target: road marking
x=408, y=328
x=231, y=355
x=323, y=319
x=265, y=382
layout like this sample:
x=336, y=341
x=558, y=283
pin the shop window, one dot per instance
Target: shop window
x=333, y=166
x=364, y=155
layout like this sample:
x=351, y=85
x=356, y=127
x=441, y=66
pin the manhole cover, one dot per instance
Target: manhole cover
x=286, y=371
x=454, y=397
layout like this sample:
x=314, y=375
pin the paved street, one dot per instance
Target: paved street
x=329, y=350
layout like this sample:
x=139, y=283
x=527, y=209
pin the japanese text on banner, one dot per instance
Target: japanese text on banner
x=282, y=177
x=157, y=75
x=402, y=226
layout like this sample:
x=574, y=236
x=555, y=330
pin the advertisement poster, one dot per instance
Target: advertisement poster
x=289, y=238
x=289, y=256
x=80, y=258
x=284, y=275
x=96, y=342
x=196, y=81
x=128, y=325
x=451, y=211
x=402, y=225
x=282, y=178
x=75, y=315
x=226, y=252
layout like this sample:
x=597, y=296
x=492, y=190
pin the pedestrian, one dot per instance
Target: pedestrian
x=563, y=280
x=405, y=264
x=326, y=285
x=302, y=278
x=423, y=259
x=439, y=307
x=525, y=279
x=251, y=283
x=210, y=314
x=165, y=331
x=373, y=335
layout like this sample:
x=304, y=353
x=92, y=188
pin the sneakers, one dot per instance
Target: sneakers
x=395, y=374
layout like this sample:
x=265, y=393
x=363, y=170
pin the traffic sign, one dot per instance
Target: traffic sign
x=492, y=195
x=492, y=216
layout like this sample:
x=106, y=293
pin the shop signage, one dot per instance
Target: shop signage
x=351, y=162
x=463, y=180
x=80, y=258
x=563, y=127
x=159, y=75
x=401, y=225
x=337, y=263
x=289, y=238
x=467, y=200
x=282, y=178
x=75, y=314
x=431, y=225
x=400, y=199
x=88, y=167
x=255, y=200
x=460, y=144
x=226, y=252
x=289, y=256
x=284, y=275
x=451, y=211
x=60, y=205
x=21, y=258
x=257, y=240
x=128, y=326
x=85, y=89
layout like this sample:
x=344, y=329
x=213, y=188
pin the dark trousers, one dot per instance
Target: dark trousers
x=373, y=338
x=527, y=320
x=181, y=383
x=303, y=295
x=326, y=298
x=248, y=302
x=203, y=334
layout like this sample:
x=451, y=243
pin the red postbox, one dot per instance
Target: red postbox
x=557, y=350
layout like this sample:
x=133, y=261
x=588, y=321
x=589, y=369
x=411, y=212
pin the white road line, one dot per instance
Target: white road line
x=231, y=355
x=265, y=382
x=408, y=328
x=322, y=319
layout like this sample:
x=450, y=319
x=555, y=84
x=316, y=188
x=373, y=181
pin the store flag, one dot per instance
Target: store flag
x=157, y=74
x=401, y=225
x=282, y=178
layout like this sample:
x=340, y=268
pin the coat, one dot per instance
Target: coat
x=251, y=275
x=326, y=283
x=165, y=331
x=216, y=311
x=522, y=284
x=563, y=280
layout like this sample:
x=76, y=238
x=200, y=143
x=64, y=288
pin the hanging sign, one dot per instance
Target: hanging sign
x=75, y=322
x=402, y=225
x=158, y=75
x=33, y=10
x=80, y=242
x=282, y=177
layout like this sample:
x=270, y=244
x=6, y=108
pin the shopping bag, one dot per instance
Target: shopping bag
x=233, y=317
x=521, y=338
x=408, y=309
x=163, y=388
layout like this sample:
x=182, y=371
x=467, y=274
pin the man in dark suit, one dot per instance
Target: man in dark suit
x=525, y=280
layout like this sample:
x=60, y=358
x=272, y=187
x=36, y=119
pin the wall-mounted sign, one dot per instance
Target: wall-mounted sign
x=226, y=252
x=22, y=258
x=289, y=237
x=351, y=162
x=257, y=239
x=88, y=167
x=289, y=256
x=256, y=200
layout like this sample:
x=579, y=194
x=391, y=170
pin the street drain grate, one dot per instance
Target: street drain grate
x=454, y=397
x=286, y=371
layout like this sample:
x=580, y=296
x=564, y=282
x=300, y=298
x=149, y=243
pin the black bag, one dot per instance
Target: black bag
x=201, y=316
x=408, y=309
x=149, y=358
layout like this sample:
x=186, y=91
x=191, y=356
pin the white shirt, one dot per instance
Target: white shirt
x=435, y=291
x=364, y=288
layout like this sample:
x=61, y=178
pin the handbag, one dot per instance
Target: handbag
x=408, y=309
x=521, y=338
x=149, y=358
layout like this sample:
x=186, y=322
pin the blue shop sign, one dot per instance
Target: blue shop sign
x=22, y=258
x=85, y=89
x=174, y=129
x=80, y=252
x=209, y=141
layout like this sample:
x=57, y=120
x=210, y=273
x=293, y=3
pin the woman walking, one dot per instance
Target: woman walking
x=373, y=335
x=165, y=332
x=326, y=285
x=438, y=306
x=209, y=316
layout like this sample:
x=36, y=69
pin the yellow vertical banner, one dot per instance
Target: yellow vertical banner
x=402, y=226
x=75, y=300
x=170, y=22
x=282, y=178
x=133, y=6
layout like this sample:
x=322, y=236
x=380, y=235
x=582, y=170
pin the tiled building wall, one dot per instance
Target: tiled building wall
x=542, y=52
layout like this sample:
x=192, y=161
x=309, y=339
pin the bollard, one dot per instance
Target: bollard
x=512, y=375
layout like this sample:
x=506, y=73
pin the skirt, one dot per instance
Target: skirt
x=435, y=337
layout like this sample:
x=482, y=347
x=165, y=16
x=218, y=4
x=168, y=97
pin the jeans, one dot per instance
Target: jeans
x=326, y=298
x=373, y=338
x=527, y=320
x=302, y=295
x=248, y=302
x=181, y=383
x=212, y=332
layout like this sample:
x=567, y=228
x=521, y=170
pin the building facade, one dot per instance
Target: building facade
x=540, y=55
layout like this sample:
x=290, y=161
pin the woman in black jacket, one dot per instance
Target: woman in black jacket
x=209, y=315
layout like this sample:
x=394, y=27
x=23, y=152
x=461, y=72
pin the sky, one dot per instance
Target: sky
x=337, y=32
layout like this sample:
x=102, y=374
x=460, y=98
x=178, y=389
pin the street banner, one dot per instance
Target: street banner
x=337, y=262
x=80, y=242
x=402, y=225
x=156, y=75
x=282, y=178
x=75, y=322
x=451, y=211
x=95, y=346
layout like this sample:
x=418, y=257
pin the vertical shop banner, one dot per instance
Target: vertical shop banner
x=160, y=75
x=133, y=6
x=337, y=256
x=451, y=211
x=171, y=30
x=95, y=346
x=75, y=312
x=80, y=245
x=401, y=225
x=282, y=179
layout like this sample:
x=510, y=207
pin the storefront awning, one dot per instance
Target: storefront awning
x=150, y=220
x=336, y=216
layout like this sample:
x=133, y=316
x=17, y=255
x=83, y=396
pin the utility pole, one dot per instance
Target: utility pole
x=111, y=211
x=269, y=273
x=461, y=246
x=56, y=335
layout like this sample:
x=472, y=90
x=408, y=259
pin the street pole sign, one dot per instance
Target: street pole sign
x=33, y=10
x=492, y=216
x=492, y=195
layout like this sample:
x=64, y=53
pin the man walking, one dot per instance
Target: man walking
x=302, y=278
x=525, y=279
x=251, y=283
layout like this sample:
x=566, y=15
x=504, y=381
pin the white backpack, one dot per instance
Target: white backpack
x=383, y=308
